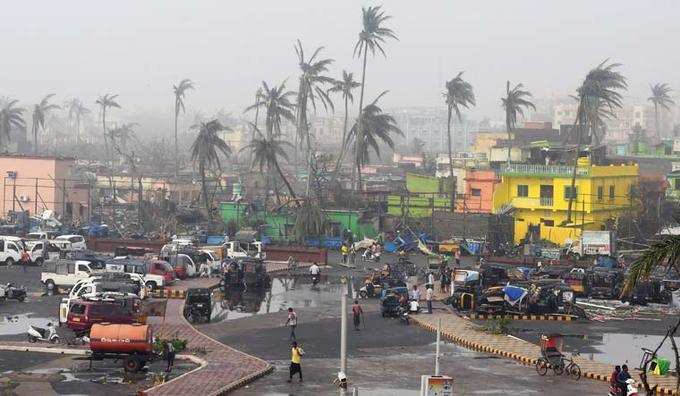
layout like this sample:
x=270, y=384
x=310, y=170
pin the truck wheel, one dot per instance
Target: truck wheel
x=50, y=286
x=151, y=286
x=9, y=262
x=132, y=364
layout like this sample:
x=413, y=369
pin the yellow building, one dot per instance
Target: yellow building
x=538, y=197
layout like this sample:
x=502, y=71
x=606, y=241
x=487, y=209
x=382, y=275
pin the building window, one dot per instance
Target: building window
x=600, y=193
x=548, y=222
x=522, y=190
x=570, y=192
x=476, y=192
x=611, y=192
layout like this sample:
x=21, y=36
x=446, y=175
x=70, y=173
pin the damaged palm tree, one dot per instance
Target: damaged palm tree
x=11, y=117
x=39, y=115
x=206, y=151
x=310, y=221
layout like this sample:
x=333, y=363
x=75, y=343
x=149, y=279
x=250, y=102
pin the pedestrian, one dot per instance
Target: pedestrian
x=344, y=250
x=169, y=351
x=415, y=293
x=357, y=313
x=456, y=256
x=430, y=279
x=25, y=259
x=429, y=293
x=444, y=281
x=292, y=322
x=296, y=353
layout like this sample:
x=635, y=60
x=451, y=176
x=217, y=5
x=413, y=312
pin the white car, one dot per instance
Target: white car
x=77, y=241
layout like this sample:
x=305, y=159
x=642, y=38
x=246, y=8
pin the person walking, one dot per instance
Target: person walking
x=429, y=293
x=292, y=322
x=169, y=351
x=25, y=260
x=344, y=250
x=357, y=313
x=296, y=353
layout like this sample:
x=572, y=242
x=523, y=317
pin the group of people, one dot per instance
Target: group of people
x=618, y=380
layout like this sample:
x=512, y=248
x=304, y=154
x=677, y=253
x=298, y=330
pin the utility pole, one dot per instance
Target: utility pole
x=343, y=330
x=436, y=354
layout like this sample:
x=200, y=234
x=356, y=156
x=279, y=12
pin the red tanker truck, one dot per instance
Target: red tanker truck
x=133, y=343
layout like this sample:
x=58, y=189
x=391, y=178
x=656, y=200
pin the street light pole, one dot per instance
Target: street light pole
x=343, y=331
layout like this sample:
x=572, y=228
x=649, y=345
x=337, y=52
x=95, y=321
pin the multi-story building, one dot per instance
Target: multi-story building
x=538, y=197
x=429, y=125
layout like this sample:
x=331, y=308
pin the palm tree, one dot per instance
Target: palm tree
x=345, y=87
x=265, y=152
x=278, y=107
x=371, y=129
x=105, y=102
x=180, y=91
x=514, y=103
x=206, y=151
x=310, y=90
x=660, y=98
x=76, y=110
x=123, y=133
x=598, y=96
x=372, y=37
x=38, y=118
x=459, y=93
x=11, y=117
x=258, y=97
x=663, y=252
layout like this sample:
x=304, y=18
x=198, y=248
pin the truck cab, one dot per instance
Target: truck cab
x=64, y=273
x=10, y=250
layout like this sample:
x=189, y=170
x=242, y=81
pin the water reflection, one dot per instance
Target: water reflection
x=18, y=324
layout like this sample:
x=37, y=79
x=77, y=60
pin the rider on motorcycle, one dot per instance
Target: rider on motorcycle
x=314, y=272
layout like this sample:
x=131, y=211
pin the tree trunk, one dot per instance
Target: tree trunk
x=360, y=132
x=176, y=144
x=657, y=134
x=578, y=124
x=35, y=138
x=343, y=147
x=77, y=130
x=507, y=126
x=448, y=140
x=109, y=165
x=285, y=181
x=204, y=188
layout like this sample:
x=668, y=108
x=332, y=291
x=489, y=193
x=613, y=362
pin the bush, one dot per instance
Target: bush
x=498, y=326
x=178, y=344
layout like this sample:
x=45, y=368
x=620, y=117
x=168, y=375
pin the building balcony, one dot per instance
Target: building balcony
x=532, y=203
x=542, y=170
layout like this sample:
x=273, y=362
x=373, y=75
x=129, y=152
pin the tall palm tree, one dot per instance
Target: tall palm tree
x=123, y=133
x=11, y=117
x=277, y=105
x=180, y=91
x=458, y=94
x=372, y=37
x=663, y=252
x=514, y=103
x=76, y=111
x=266, y=152
x=206, y=151
x=370, y=130
x=310, y=89
x=258, y=97
x=598, y=96
x=108, y=101
x=345, y=87
x=660, y=98
x=40, y=111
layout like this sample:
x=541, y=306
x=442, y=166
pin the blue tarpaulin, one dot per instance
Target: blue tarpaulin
x=514, y=294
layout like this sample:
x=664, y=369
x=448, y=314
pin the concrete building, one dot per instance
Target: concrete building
x=479, y=188
x=538, y=198
x=37, y=183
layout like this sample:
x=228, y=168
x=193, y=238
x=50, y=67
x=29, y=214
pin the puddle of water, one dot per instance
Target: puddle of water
x=284, y=293
x=616, y=348
x=18, y=324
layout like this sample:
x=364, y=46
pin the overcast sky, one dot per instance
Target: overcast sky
x=139, y=48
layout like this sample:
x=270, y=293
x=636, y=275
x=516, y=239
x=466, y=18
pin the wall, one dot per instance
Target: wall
x=485, y=181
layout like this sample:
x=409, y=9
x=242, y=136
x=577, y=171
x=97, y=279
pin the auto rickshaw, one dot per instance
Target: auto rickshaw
x=198, y=305
x=255, y=273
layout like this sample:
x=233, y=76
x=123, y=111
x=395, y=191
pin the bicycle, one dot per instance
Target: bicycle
x=572, y=369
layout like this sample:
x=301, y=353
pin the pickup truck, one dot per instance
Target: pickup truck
x=129, y=266
x=65, y=273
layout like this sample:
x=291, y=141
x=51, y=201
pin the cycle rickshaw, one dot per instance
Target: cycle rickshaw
x=553, y=358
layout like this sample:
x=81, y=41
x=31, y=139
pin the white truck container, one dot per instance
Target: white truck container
x=592, y=243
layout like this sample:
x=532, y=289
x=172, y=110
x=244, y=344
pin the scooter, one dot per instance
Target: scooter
x=39, y=334
x=315, y=280
x=10, y=291
x=631, y=391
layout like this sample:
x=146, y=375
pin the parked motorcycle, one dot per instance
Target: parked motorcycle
x=403, y=315
x=10, y=291
x=39, y=334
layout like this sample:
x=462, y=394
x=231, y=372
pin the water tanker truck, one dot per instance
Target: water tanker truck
x=131, y=343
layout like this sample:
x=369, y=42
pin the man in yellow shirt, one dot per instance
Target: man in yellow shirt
x=296, y=353
x=344, y=250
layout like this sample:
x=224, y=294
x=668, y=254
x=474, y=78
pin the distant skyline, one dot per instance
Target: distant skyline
x=138, y=49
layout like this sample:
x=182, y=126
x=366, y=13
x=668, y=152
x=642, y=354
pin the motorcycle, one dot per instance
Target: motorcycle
x=369, y=256
x=39, y=334
x=315, y=280
x=403, y=315
x=10, y=291
x=631, y=389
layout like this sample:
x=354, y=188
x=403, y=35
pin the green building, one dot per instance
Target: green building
x=424, y=194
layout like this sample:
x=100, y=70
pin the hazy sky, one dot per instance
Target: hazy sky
x=138, y=48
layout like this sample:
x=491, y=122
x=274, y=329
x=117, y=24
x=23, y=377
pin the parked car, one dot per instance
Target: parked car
x=161, y=268
x=38, y=235
x=82, y=314
x=129, y=266
x=77, y=241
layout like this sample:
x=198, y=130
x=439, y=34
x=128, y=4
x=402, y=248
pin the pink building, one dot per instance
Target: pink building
x=479, y=187
x=39, y=183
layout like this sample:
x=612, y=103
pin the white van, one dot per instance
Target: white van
x=10, y=250
x=77, y=241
